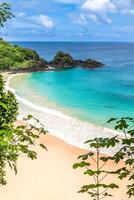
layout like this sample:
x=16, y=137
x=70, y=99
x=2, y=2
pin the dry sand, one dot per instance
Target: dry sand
x=51, y=176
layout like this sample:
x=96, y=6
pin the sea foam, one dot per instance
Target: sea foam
x=71, y=130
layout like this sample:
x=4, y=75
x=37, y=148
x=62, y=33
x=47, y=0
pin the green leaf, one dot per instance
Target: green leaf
x=111, y=120
x=3, y=105
x=130, y=161
x=90, y=172
x=113, y=186
x=130, y=191
x=29, y=117
x=81, y=164
x=86, y=156
x=43, y=146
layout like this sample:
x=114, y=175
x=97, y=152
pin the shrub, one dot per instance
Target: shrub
x=13, y=56
x=15, y=140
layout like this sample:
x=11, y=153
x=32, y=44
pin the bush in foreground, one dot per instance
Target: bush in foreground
x=15, y=140
x=99, y=189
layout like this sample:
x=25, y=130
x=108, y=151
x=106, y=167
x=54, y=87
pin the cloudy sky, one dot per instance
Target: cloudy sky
x=71, y=20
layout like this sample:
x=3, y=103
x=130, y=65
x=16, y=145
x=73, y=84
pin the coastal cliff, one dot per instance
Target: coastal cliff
x=16, y=58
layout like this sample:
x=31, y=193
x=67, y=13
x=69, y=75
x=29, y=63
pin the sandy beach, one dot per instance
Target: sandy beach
x=51, y=176
x=71, y=130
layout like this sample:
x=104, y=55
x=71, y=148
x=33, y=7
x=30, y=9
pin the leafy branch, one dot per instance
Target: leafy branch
x=16, y=140
x=99, y=189
x=5, y=13
x=124, y=147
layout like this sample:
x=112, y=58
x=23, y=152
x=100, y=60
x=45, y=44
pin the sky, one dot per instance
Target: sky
x=70, y=20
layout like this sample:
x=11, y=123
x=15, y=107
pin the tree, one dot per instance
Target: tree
x=5, y=13
x=15, y=140
x=99, y=189
x=124, y=152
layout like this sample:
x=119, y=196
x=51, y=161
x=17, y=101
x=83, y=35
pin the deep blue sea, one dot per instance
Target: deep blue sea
x=91, y=95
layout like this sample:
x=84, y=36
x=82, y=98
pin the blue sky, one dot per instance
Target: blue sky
x=71, y=20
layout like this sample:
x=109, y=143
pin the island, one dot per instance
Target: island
x=16, y=58
x=64, y=60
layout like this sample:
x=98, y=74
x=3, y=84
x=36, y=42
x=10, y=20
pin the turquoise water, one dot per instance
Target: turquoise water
x=91, y=95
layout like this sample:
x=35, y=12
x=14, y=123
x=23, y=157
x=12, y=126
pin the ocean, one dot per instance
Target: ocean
x=90, y=95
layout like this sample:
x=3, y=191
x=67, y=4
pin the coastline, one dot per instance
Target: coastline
x=51, y=176
x=71, y=130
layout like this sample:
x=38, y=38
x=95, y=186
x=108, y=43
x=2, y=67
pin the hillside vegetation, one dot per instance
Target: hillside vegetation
x=14, y=57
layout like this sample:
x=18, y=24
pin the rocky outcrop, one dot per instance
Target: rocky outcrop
x=65, y=61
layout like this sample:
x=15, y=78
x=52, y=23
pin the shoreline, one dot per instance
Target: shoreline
x=53, y=172
x=70, y=130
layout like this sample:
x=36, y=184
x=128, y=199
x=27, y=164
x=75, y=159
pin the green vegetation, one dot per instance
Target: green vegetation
x=5, y=13
x=62, y=59
x=125, y=145
x=15, y=57
x=15, y=140
x=95, y=169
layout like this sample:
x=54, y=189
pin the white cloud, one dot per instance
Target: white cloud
x=98, y=5
x=100, y=18
x=79, y=20
x=94, y=18
x=45, y=21
x=99, y=10
x=124, y=7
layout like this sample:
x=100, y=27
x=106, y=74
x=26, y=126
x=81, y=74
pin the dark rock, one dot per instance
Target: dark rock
x=61, y=60
x=65, y=61
x=91, y=64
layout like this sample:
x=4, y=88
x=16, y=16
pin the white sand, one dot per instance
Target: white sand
x=71, y=130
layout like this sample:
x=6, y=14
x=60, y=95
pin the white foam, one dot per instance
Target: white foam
x=71, y=130
x=32, y=105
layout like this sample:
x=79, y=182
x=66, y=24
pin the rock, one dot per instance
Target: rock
x=91, y=64
x=61, y=60
x=65, y=61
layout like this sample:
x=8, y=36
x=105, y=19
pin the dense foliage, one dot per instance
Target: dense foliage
x=62, y=58
x=125, y=153
x=13, y=56
x=5, y=13
x=15, y=140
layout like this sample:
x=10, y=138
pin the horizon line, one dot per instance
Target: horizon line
x=70, y=41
